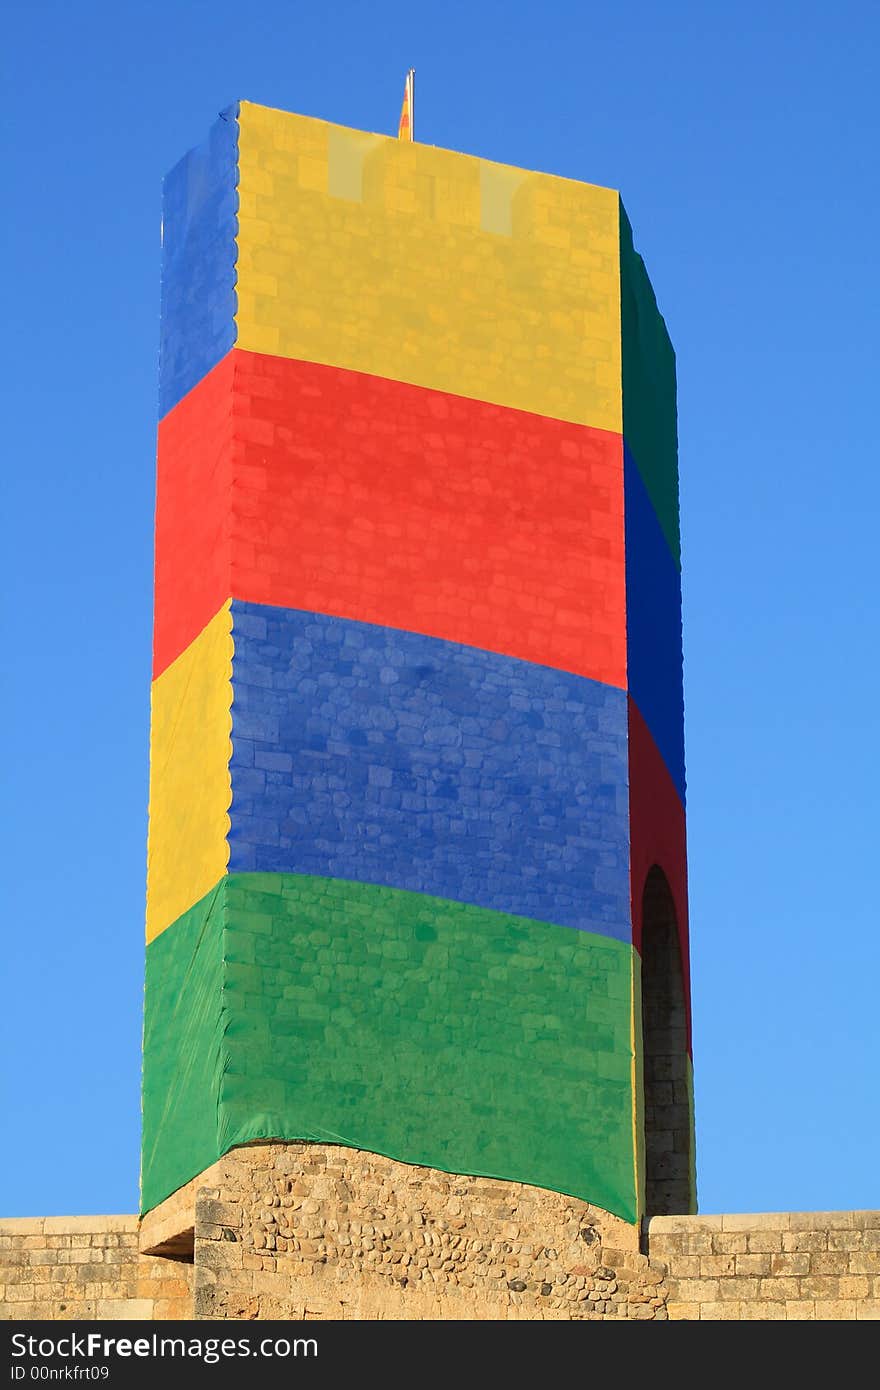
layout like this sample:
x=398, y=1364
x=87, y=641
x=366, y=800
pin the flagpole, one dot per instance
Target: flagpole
x=412, y=103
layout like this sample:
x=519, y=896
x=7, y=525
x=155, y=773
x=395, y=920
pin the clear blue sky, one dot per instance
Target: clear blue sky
x=744, y=139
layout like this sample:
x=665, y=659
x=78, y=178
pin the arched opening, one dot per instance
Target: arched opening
x=667, y=1106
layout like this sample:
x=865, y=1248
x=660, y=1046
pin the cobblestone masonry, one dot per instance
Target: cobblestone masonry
x=306, y=1232
x=316, y=1231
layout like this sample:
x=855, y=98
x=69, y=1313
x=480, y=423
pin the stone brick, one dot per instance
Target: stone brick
x=88, y=1225
x=800, y=1310
x=760, y=1221
x=820, y=1221
x=825, y=1286
x=683, y=1312
x=728, y=1311
x=780, y=1287
x=764, y=1310
x=218, y=1213
x=671, y=1244
x=829, y=1262
x=855, y=1286
x=845, y=1240
x=836, y=1310
x=695, y=1290
x=730, y=1243
x=804, y=1240
x=698, y=1243
x=682, y=1225
x=790, y=1264
x=866, y=1220
x=19, y=1293
x=740, y=1287
x=763, y=1242
x=42, y=1257
x=124, y=1308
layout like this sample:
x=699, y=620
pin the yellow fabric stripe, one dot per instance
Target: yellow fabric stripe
x=430, y=267
x=190, y=784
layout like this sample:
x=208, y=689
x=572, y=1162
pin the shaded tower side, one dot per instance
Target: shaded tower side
x=658, y=846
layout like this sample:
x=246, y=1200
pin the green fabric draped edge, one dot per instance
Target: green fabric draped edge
x=650, y=412
x=290, y=1007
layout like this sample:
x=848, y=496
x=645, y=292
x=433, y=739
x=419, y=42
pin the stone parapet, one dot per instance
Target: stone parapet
x=63, y=1268
x=770, y=1266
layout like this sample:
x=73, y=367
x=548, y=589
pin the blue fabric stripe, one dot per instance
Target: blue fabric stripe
x=199, y=229
x=653, y=624
x=367, y=753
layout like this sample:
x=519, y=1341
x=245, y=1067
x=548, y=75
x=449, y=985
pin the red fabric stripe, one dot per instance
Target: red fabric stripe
x=657, y=836
x=193, y=569
x=307, y=486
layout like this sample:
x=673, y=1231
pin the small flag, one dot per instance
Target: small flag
x=406, y=131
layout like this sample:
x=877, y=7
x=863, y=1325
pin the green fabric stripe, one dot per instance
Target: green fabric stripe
x=183, y=1048
x=650, y=425
x=431, y=1031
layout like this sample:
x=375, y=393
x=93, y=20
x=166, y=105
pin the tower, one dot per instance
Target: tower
x=416, y=870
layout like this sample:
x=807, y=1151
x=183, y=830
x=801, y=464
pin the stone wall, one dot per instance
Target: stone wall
x=319, y=1231
x=770, y=1266
x=86, y=1267
x=308, y=1231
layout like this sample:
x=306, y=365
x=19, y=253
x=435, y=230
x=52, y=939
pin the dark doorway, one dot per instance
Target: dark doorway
x=668, y=1134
